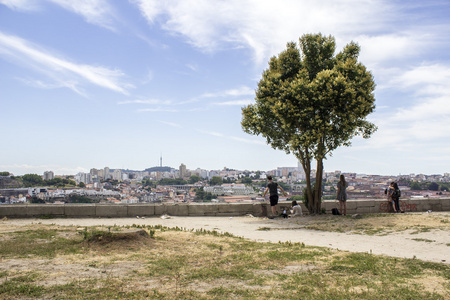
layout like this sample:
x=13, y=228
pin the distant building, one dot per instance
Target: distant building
x=183, y=171
x=85, y=178
x=229, y=189
x=49, y=175
x=117, y=175
x=106, y=174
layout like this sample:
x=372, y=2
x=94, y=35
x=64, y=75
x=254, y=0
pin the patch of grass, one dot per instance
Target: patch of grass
x=22, y=286
x=40, y=242
x=263, y=229
x=424, y=240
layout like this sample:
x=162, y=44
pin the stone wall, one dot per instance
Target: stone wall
x=205, y=209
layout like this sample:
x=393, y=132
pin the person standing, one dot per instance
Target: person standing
x=342, y=194
x=390, y=192
x=394, y=196
x=273, y=187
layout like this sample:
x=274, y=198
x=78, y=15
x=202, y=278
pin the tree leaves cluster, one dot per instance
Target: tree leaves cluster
x=33, y=180
x=309, y=102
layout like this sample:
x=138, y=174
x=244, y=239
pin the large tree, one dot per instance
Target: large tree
x=310, y=102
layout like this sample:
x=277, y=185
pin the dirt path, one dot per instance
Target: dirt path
x=433, y=245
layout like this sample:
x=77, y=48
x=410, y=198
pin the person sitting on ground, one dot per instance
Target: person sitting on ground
x=297, y=209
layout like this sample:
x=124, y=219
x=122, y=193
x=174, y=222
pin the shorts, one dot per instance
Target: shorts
x=273, y=200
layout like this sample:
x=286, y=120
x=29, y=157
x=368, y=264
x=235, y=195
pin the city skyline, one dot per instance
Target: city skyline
x=117, y=83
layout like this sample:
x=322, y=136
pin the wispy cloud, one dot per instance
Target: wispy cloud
x=234, y=138
x=157, y=109
x=171, y=124
x=63, y=71
x=248, y=141
x=240, y=91
x=235, y=102
x=212, y=25
x=21, y=5
x=213, y=133
x=97, y=12
x=425, y=118
x=193, y=67
x=146, y=101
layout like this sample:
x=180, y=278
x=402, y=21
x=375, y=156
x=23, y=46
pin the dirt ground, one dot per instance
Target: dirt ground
x=424, y=236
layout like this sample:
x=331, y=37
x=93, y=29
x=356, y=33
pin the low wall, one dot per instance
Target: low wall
x=205, y=209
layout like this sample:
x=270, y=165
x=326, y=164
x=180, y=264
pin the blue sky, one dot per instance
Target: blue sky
x=92, y=83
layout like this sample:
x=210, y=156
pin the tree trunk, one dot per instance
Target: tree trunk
x=306, y=164
x=318, y=187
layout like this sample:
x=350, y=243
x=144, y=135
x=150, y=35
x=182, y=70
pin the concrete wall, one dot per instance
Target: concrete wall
x=206, y=209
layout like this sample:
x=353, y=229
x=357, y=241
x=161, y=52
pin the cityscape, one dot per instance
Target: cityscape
x=162, y=184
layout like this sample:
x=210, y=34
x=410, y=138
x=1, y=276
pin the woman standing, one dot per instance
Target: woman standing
x=342, y=194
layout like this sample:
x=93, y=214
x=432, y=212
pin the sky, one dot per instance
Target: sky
x=95, y=83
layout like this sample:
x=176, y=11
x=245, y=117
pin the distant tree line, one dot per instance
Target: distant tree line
x=431, y=186
x=33, y=180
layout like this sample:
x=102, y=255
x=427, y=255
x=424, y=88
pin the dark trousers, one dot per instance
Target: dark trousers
x=396, y=202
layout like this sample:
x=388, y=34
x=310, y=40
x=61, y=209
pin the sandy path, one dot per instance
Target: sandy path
x=428, y=246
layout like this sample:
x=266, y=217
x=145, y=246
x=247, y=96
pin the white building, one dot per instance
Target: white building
x=230, y=189
x=117, y=175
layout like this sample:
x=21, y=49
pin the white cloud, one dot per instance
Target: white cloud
x=171, y=124
x=213, y=133
x=235, y=102
x=425, y=117
x=234, y=138
x=21, y=5
x=262, y=26
x=63, y=71
x=248, y=141
x=147, y=101
x=240, y=91
x=97, y=12
x=157, y=109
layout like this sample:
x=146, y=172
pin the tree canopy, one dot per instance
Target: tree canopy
x=310, y=102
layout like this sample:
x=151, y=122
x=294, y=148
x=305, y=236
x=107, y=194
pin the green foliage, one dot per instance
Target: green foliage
x=4, y=173
x=36, y=200
x=247, y=180
x=79, y=199
x=309, y=103
x=433, y=186
x=170, y=181
x=216, y=180
x=194, y=178
x=415, y=186
x=200, y=194
x=30, y=180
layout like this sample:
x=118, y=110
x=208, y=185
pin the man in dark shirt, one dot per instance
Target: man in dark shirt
x=273, y=187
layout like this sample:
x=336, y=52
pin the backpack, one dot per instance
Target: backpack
x=396, y=194
x=335, y=212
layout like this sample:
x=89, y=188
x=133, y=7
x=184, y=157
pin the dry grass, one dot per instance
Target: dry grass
x=379, y=224
x=49, y=261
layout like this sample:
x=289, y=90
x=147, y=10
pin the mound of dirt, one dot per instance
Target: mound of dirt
x=118, y=240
